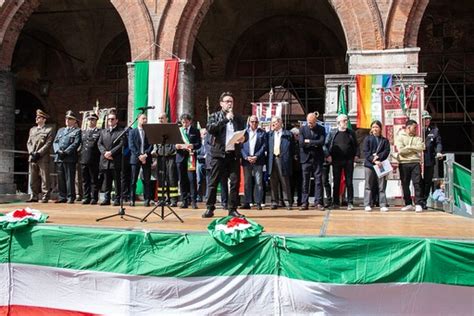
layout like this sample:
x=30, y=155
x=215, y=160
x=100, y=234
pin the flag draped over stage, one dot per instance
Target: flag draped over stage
x=369, y=97
x=128, y=272
x=156, y=84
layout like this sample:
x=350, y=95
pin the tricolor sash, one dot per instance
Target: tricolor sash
x=192, y=158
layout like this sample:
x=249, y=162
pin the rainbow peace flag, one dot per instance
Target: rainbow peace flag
x=369, y=97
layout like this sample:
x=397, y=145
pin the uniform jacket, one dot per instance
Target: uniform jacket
x=89, y=150
x=260, y=148
x=409, y=148
x=134, y=144
x=194, y=137
x=40, y=141
x=371, y=146
x=433, y=145
x=67, y=140
x=313, y=149
x=286, y=152
x=216, y=127
x=105, y=143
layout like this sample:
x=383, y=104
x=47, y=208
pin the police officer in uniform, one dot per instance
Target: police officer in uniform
x=90, y=157
x=167, y=158
x=433, y=150
x=65, y=147
x=39, y=144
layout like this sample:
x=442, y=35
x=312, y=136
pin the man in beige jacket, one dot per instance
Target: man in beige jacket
x=410, y=149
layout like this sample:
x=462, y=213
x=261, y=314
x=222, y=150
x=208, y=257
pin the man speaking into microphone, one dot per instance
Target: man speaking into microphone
x=225, y=157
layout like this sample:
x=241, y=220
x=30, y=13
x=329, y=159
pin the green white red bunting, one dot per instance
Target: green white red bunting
x=232, y=231
x=66, y=270
x=20, y=218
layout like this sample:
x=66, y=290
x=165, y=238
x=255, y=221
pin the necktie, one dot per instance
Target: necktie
x=276, y=147
x=142, y=139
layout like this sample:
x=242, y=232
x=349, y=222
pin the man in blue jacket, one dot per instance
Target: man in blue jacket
x=253, y=160
x=140, y=157
x=65, y=147
x=311, y=143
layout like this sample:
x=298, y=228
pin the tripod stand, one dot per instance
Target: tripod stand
x=121, y=211
x=168, y=132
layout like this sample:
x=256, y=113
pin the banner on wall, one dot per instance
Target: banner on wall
x=266, y=110
x=369, y=96
x=156, y=85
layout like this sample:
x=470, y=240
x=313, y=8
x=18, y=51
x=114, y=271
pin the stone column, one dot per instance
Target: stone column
x=131, y=89
x=7, y=138
x=186, y=88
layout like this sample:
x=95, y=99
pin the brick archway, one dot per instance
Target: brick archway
x=360, y=20
x=135, y=17
x=404, y=22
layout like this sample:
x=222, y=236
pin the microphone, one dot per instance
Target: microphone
x=144, y=108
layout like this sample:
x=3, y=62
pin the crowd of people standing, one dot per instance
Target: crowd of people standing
x=112, y=160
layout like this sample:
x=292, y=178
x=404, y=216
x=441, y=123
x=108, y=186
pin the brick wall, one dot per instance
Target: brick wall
x=7, y=123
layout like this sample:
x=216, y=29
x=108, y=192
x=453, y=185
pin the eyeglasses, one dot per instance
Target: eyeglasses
x=110, y=119
x=253, y=121
x=227, y=101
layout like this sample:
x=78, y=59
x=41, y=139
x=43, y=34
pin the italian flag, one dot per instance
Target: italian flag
x=59, y=270
x=156, y=84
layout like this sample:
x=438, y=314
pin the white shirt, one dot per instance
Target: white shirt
x=141, y=132
x=277, y=142
x=252, y=141
x=228, y=135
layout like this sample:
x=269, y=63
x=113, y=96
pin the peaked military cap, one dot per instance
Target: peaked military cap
x=70, y=114
x=41, y=113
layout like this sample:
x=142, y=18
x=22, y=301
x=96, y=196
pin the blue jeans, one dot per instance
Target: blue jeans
x=253, y=172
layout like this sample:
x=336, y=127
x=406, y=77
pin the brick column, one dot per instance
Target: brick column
x=186, y=88
x=7, y=139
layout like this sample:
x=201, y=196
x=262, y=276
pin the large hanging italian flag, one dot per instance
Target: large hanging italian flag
x=156, y=84
x=57, y=270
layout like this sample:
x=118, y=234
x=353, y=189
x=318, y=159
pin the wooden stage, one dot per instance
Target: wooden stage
x=433, y=224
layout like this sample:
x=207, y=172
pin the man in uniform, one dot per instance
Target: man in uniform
x=433, y=151
x=167, y=159
x=89, y=160
x=65, y=147
x=39, y=145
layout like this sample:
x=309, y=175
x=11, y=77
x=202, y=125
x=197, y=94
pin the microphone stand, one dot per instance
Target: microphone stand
x=121, y=211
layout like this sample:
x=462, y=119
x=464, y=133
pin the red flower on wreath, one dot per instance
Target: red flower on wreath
x=21, y=213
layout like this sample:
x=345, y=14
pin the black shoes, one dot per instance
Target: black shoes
x=43, y=201
x=208, y=213
x=184, y=205
x=32, y=200
x=132, y=203
x=245, y=207
x=117, y=203
x=70, y=201
x=60, y=201
x=304, y=207
x=259, y=207
x=234, y=213
x=105, y=202
x=320, y=207
x=274, y=207
x=147, y=203
x=194, y=206
x=93, y=202
x=86, y=201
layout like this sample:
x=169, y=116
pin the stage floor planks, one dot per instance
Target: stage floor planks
x=433, y=224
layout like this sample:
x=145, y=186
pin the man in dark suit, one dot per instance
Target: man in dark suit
x=186, y=161
x=111, y=158
x=90, y=157
x=433, y=151
x=280, y=155
x=140, y=157
x=224, y=156
x=311, y=143
x=65, y=147
x=201, y=168
x=253, y=160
